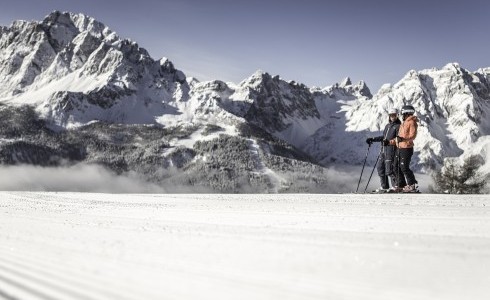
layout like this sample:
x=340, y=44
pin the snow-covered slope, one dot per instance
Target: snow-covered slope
x=116, y=246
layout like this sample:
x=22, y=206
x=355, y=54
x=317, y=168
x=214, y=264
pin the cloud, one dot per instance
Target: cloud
x=77, y=178
x=94, y=178
x=346, y=178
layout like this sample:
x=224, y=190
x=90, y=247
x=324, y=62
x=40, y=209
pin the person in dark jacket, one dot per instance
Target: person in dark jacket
x=386, y=165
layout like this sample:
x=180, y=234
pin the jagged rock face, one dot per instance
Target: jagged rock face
x=276, y=102
x=73, y=58
x=63, y=41
x=346, y=88
x=213, y=98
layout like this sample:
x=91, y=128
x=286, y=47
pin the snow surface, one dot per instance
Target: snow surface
x=121, y=246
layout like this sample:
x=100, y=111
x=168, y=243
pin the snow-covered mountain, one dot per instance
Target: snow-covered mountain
x=149, y=117
x=453, y=105
x=74, y=69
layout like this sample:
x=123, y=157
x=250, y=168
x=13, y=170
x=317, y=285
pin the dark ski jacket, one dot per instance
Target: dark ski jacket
x=390, y=132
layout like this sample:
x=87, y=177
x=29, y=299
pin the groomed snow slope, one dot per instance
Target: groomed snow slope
x=108, y=246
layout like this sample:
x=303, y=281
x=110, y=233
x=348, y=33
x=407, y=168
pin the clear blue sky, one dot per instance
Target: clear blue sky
x=313, y=42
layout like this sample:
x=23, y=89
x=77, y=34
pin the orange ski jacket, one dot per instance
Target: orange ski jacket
x=407, y=133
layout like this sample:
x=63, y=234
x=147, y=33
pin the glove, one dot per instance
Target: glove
x=386, y=142
x=369, y=141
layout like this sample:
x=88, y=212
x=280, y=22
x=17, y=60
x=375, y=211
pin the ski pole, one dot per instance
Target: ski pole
x=398, y=164
x=369, y=180
x=365, y=159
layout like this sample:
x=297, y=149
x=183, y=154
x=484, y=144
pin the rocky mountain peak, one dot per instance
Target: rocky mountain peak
x=256, y=79
x=452, y=66
x=363, y=89
x=73, y=68
x=346, y=82
x=346, y=89
x=78, y=22
x=412, y=74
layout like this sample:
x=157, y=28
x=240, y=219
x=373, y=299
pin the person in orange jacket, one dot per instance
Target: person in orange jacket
x=404, y=142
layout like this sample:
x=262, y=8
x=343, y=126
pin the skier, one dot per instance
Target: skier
x=404, y=143
x=386, y=167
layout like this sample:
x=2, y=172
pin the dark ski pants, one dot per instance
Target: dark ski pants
x=387, y=169
x=404, y=156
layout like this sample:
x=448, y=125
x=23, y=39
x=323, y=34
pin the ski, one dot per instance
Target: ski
x=380, y=191
x=392, y=191
x=411, y=192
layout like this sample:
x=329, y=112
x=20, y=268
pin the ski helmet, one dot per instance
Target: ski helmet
x=393, y=111
x=408, y=109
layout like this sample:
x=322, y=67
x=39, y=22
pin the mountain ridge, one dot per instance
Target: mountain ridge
x=74, y=71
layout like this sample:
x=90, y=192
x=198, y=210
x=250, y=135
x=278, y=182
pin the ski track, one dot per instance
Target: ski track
x=126, y=246
x=276, y=180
